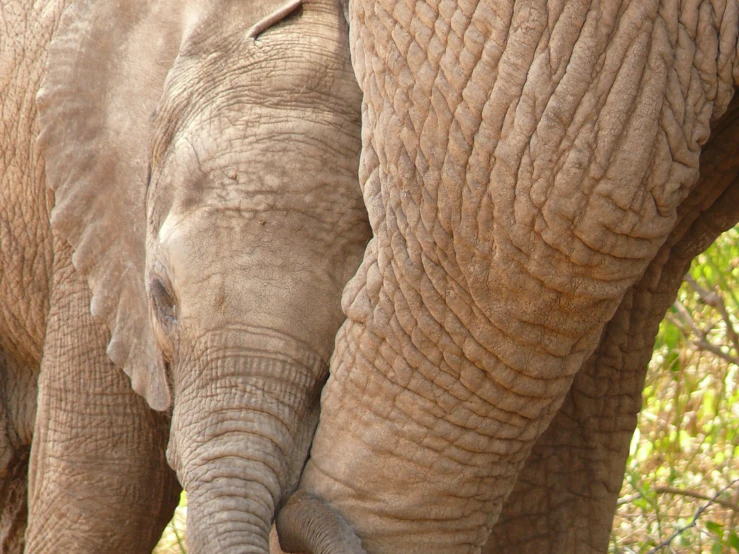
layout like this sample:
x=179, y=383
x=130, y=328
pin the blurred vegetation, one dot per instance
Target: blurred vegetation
x=681, y=488
x=173, y=538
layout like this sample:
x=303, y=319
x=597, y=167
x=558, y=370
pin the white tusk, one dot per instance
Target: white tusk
x=273, y=18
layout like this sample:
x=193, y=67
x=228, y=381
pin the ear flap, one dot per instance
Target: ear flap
x=107, y=66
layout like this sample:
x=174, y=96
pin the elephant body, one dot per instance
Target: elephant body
x=538, y=176
x=179, y=201
x=94, y=437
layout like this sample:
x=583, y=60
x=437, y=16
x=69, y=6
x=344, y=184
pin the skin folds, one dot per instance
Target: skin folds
x=531, y=173
x=205, y=208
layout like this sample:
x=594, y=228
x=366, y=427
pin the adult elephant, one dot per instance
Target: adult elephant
x=531, y=172
x=203, y=156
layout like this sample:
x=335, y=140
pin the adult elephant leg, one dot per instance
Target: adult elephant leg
x=565, y=496
x=99, y=481
x=13, y=503
x=17, y=413
x=521, y=168
x=18, y=392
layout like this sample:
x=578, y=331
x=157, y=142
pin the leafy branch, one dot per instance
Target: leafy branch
x=698, y=513
x=690, y=329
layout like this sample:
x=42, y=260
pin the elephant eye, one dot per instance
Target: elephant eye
x=164, y=304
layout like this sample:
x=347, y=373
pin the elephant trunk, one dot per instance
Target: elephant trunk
x=229, y=511
x=306, y=524
x=242, y=426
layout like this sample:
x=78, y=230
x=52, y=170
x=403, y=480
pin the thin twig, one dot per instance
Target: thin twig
x=701, y=343
x=685, y=315
x=715, y=300
x=628, y=499
x=694, y=521
x=694, y=494
x=682, y=492
x=179, y=540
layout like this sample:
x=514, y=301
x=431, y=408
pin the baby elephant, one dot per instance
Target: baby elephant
x=184, y=173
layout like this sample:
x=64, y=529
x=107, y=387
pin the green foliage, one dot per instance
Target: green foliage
x=173, y=538
x=681, y=488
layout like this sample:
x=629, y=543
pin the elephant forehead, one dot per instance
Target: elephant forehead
x=190, y=232
x=244, y=241
x=283, y=180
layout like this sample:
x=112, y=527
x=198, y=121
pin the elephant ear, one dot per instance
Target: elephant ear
x=107, y=65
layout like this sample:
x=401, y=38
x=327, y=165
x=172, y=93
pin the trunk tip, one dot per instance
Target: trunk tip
x=306, y=524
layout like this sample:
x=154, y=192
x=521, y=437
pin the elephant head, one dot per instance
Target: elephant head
x=522, y=165
x=204, y=158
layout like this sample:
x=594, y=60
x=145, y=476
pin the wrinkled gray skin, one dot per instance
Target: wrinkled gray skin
x=531, y=173
x=206, y=210
x=98, y=478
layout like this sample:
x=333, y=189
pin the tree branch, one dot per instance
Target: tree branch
x=694, y=494
x=715, y=300
x=682, y=492
x=698, y=513
x=628, y=499
x=702, y=342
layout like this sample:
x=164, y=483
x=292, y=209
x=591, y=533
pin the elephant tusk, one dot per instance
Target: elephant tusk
x=272, y=19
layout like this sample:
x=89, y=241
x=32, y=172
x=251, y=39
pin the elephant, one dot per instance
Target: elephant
x=538, y=176
x=179, y=213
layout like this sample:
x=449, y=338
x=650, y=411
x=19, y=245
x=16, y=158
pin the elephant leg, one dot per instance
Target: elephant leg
x=18, y=391
x=522, y=164
x=99, y=481
x=565, y=497
x=14, y=503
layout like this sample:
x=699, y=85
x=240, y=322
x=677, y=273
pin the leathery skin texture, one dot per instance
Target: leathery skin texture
x=565, y=496
x=206, y=209
x=217, y=230
x=98, y=475
x=522, y=165
x=25, y=265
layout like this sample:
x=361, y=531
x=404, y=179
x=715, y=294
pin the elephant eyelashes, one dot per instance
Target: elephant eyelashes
x=166, y=308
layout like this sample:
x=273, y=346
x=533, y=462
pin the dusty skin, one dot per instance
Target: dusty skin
x=179, y=213
x=538, y=176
